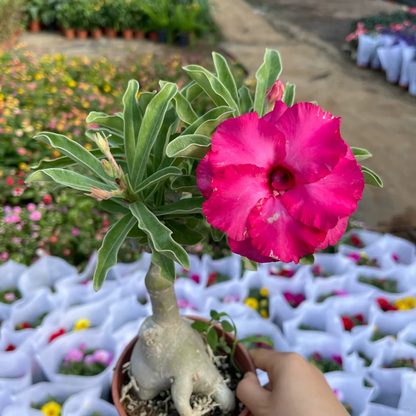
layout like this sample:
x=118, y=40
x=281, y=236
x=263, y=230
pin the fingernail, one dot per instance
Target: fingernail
x=248, y=374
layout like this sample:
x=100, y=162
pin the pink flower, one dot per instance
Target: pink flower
x=280, y=186
x=378, y=27
x=395, y=257
x=31, y=207
x=275, y=93
x=337, y=359
x=4, y=256
x=195, y=278
x=75, y=232
x=340, y=293
x=89, y=359
x=10, y=297
x=339, y=394
x=75, y=355
x=355, y=256
x=21, y=151
x=103, y=356
x=17, y=210
x=184, y=304
x=35, y=216
x=231, y=298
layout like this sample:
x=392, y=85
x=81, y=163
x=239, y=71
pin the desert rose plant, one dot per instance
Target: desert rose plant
x=278, y=184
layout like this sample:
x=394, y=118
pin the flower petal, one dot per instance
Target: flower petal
x=275, y=233
x=313, y=141
x=323, y=203
x=236, y=190
x=246, y=249
x=279, y=108
x=333, y=236
x=204, y=173
x=247, y=140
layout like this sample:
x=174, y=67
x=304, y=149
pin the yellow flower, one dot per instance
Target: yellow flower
x=38, y=76
x=81, y=324
x=7, y=112
x=72, y=83
x=1, y=173
x=49, y=101
x=106, y=88
x=264, y=303
x=138, y=95
x=51, y=409
x=54, y=90
x=411, y=302
x=252, y=303
x=23, y=166
x=88, y=146
x=56, y=153
x=264, y=313
x=20, y=91
x=264, y=292
x=85, y=104
x=400, y=304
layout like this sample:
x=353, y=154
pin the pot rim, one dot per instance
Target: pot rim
x=129, y=348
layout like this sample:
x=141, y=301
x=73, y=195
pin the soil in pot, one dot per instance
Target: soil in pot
x=70, y=33
x=163, y=403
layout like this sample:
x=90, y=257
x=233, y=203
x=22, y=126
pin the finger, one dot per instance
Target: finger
x=253, y=395
x=266, y=359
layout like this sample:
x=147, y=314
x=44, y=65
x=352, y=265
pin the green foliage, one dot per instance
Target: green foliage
x=388, y=285
x=10, y=17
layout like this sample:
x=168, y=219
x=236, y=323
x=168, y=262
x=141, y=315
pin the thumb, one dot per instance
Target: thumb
x=253, y=395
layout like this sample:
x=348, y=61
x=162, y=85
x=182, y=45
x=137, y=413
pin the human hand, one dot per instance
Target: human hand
x=296, y=388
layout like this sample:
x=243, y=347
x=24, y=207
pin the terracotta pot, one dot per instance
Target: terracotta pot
x=110, y=33
x=128, y=34
x=69, y=33
x=242, y=359
x=82, y=34
x=153, y=36
x=139, y=34
x=97, y=33
x=34, y=26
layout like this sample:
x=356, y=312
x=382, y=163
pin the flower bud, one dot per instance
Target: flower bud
x=102, y=194
x=275, y=93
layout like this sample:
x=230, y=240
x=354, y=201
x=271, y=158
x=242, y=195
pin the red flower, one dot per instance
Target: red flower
x=20, y=182
x=47, y=199
x=347, y=322
x=57, y=334
x=11, y=347
x=25, y=325
x=359, y=317
x=53, y=239
x=384, y=304
x=10, y=181
x=211, y=278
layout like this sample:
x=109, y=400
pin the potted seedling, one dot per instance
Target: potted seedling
x=266, y=181
x=160, y=14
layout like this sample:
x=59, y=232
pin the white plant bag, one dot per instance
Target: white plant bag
x=336, y=264
x=124, y=270
x=44, y=273
x=230, y=266
x=5, y=399
x=269, y=268
x=412, y=78
x=134, y=284
x=367, y=237
x=409, y=54
x=407, y=400
x=315, y=289
x=389, y=379
x=367, y=46
x=391, y=58
x=347, y=305
x=15, y=371
x=8, y=336
x=382, y=40
x=389, y=244
x=84, y=404
x=50, y=358
x=124, y=311
x=313, y=315
x=374, y=409
x=10, y=273
x=198, y=268
x=394, y=322
x=191, y=298
x=391, y=298
x=382, y=256
x=408, y=333
x=352, y=388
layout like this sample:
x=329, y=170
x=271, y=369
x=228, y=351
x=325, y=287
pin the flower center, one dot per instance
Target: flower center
x=282, y=180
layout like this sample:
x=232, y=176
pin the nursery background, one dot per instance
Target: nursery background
x=60, y=60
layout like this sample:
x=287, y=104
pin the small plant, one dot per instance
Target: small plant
x=304, y=327
x=404, y=304
x=367, y=360
x=362, y=259
x=325, y=296
x=217, y=277
x=31, y=325
x=402, y=363
x=159, y=12
x=318, y=271
x=51, y=406
x=377, y=335
x=387, y=285
x=258, y=299
x=326, y=365
x=10, y=295
x=294, y=299
x=349, y=322
x=354, y=241
x=11, y=12
x=281, y=271
x=218, y=344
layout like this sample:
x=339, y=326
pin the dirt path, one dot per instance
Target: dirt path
x=375, y=115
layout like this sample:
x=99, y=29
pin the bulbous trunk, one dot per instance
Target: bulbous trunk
x=171, y=354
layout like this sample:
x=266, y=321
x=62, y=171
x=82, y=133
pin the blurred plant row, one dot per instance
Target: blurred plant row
x=56, y=93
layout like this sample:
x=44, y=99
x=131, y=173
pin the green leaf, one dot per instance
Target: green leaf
x=159, y=234
x=152, y=122
x=361, y=154
x=115, y=140
x=184, y=206
x=266, y=76
x=308, y=260
x=249, y=264
x=136, y=232
x=212, y=86
x=371, y=178
x=74, y=151
x=217, y=235
x=183, y=107
x=246, y=102
x=68, y=178
x=160, y=175
x=185, y=183
x=224, y=75
x=200, y=326
x=114, y=124
x=209, y=121
x=216, y=315
x=263, y=340
x=107, y=254
x=289, y=94
x=183, y=234
x=226, y=326
x=110, y=205
x=166, y=264
x=144, y=100
x=193, y=91
x=131, y=122
x=194, y=146
x=212, y=339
